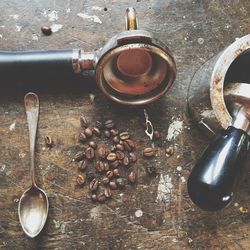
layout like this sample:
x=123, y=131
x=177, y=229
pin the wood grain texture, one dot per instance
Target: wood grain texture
x=169, y=219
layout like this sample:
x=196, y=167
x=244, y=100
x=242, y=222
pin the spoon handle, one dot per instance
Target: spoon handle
x=31, y=103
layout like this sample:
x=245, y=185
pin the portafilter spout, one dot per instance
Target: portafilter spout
x=132, y=68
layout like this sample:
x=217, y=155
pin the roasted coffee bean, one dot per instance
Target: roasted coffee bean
x=131, y=144
x=83, y=122
x=96, y=131
x=93, y=185
x=114, y=132
x=126, y=146
x=121, y=182
x=112, y=185
x=107, y=133
x=100, y=166
x=132, y=157
x=88, y=132
x=106, y=166
x=48, y=141
x=82, y=137
x=132, y=177
x=79, y=156
x=105, y=180
x=124, y=136
x=90, y=153
x=116, y=139
x=119, y=155
x=98, y=124
x=80, y=179
x=156, y=134
x=125, y=161
x=102, y=152
x=169, y=151
x=114, y=164
x=111, y=157
x=108, y=193
x=94, y=197
x=93, y=144
x=109, y=174
x=90, y=173
x=116, y=172
x=148, y=152
x=82, y=165
x=120, y=147
x=46, y=30
x=151, y=170
x=101, y=197
x=109, y=124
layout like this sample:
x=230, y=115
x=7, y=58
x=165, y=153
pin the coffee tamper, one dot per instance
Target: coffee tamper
x=133, y=68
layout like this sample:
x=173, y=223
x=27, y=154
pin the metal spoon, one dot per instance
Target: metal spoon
x=33, y=205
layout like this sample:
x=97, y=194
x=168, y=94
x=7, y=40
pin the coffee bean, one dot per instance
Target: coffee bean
x=151, y=170
x=108, y=193
x=116, y=172
x=169, y=151
x=119, y=155
x=114, y=132
x=83, y=122
x=80, y=179
x=48, y=141
x=102, y=152
x=125, y=161
x=116, y=139
x=93, y=185
x=82, y=137
x=90, y=153
x=121, y=182
x=111, y=157
x=127, y=146
x=88, y=132
x=107, y=133
x=90, y=173
x=99, y=166
x=109, y=174
x=105, y=180
x=93, y=144
x=132, y=177
x=98, y=124
x=156, y=134
x=148, y=152
x=114, y=164
x=96, y=131
x=112, y=185
x=109, y=124
x=101, y=197
x=113, y=148
x=79, y=156
x=132, y=157
x=82, y=165
x=120, y=147
x=47, y=31
x=94, y=197
x=124, y=136
x=106, y=166
x=131, y=144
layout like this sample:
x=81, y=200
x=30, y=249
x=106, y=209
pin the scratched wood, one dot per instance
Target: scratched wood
x=195, y=31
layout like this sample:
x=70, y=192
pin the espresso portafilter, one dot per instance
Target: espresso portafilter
x=132, y=68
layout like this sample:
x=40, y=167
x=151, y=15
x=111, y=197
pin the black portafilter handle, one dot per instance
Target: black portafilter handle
x=60, y=61
x=219, y=169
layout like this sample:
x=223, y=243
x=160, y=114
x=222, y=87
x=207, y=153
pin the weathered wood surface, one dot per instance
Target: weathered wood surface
x=169, y=219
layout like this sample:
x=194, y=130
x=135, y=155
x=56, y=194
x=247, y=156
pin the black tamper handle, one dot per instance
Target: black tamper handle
x=38, y=61
x=212, y=181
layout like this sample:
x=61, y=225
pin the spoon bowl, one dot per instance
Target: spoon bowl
x=33, y=210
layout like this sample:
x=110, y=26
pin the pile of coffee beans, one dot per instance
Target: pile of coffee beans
x=106, y=161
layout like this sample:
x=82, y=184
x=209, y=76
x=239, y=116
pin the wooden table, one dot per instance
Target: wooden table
x=156, y=213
